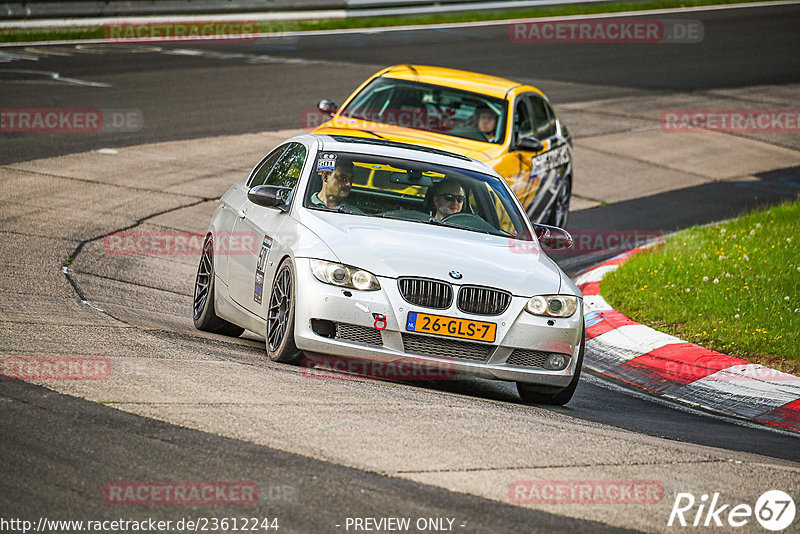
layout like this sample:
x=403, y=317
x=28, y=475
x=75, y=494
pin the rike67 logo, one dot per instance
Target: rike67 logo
x=774, y=510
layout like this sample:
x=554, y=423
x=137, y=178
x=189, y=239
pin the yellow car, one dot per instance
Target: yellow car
x=509, y=126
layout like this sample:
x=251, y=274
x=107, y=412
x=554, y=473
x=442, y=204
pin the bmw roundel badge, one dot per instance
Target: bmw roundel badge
x=456, y=275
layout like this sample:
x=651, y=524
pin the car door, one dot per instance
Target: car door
x=247, y=285
x=229, y=211
x=550, y=167
x=515, y=166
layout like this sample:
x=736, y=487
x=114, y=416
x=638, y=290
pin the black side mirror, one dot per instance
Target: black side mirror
x=529, y=143
x=270, y=196
x=328, y=106
x=552, y=237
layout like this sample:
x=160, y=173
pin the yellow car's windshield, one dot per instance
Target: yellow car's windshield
x=431, y=108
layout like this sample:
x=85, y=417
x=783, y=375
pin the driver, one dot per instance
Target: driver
x=486, y=120
x=336, y=187
x=448, y=198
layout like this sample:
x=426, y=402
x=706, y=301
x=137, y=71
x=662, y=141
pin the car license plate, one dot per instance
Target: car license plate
x=451, y=327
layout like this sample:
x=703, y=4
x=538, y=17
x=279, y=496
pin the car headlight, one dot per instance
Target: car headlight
x=344, y=275
x=552, y=305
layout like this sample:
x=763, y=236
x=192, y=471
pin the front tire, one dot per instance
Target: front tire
x=205, y=318
x=535, y=394
x=281, y=346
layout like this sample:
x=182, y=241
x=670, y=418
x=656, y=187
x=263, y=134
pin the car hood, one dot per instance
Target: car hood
x=458, y=145
x=392, y=248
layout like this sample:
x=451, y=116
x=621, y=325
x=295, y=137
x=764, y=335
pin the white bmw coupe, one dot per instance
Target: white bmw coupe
x=381, y=251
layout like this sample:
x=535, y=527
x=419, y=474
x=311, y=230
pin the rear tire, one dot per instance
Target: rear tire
x=203, y=307
x=281, y=346
x=535, y=394
x=559, y=212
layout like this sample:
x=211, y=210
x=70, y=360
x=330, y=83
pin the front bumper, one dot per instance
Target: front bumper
x=518, y=332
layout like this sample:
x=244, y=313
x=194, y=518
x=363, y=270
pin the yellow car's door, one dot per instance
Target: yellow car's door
x=515, y=166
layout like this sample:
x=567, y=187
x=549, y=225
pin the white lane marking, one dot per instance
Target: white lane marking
x=8, y=57
x=675, y=405
x=477, y=24
x=595, y=275
x=593, y=303
x=637, y=338
x=50, y=51
x=249, y=58
x=104, y=48
x=49, y=76
x=747, y=390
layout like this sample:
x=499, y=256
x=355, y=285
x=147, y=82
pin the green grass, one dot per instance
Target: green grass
x=96, y=32
x=733, y=287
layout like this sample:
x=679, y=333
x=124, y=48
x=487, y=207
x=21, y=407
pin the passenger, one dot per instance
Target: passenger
x=446, y=198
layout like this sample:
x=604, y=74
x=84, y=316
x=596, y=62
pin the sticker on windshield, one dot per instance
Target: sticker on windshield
x=326, y=162
x=261, y=266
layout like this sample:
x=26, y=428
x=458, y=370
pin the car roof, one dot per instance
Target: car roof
x=457, y=79
x=366, y=145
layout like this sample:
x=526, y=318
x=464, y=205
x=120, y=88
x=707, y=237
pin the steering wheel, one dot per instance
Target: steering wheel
x=469, y=220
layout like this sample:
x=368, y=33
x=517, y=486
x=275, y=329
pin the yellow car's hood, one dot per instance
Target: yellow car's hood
x=458, y=145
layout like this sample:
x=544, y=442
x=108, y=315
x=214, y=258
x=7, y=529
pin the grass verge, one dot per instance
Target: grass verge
x=97, y=32
x=733, y=287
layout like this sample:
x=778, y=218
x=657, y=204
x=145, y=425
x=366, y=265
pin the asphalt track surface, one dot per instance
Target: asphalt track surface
x=306, y=495
x=224, y=90
x=200, y=89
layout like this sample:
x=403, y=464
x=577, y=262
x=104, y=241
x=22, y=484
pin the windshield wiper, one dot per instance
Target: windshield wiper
x=471, y=228
x=397, y=217
x=337, y=209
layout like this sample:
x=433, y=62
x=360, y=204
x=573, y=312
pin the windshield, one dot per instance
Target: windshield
x=419, y=192
x=432, y=108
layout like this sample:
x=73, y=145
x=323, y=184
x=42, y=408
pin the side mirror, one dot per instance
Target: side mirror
x=270, y=196
x=328, y=106
x=529, y=143
x=552, y=237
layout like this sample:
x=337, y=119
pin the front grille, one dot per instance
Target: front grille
x=427, y=293
x=529, y=358
x=483, y=300
x=358, y=334
x=446, y=348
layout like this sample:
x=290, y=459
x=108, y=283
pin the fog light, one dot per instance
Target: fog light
x=555, y=362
